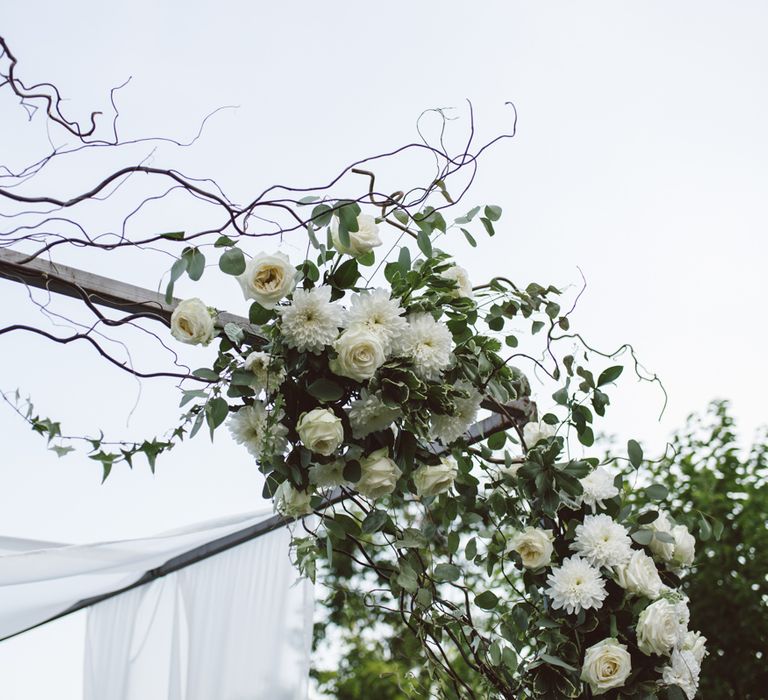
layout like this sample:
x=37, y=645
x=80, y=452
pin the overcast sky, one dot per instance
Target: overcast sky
x=641, y=158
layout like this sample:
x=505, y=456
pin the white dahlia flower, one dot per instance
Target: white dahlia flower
x=428, y=343
x=312, y=321
x=576, y=585
x=598, y=487
x=260, y=432
x=602, y=541
x=376, y=312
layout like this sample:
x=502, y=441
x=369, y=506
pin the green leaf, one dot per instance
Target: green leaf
x=374, y=521
x=497, y=440
x=675, y=693
x=234, y=333
x=647, y=517
x=635, y=453
x=321, y=215
x=656, y=492
x=205, y=373
x=404, y=259
x=325, y=390
x=346, y=275
x=610, y=375
x=487, y=225
x=705, y=531
x=470, y=238
x=177, y=270
x=643, y=537
x=232, y=262
x=447, y=572
x=487, y=600
x=561, y=396
x=258, y=315
x=195, y=264
x=492, y=212
x=425, y=245
x=61, y=451
x=173, y=235
x=215, y=412
x=555, y=661
x=352, y=471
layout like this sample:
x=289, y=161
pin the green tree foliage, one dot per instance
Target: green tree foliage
x=728, y=589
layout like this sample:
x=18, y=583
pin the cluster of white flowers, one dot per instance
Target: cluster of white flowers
x=267, y=369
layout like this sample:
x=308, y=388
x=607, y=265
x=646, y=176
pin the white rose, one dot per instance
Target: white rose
x=360, y=354
x=268, y=278
x=379, y=474
x=192, y=323
x=320, y=431
x=291, y=502
x=661, y=549
x=533, y=432
x=696, y=644
x=461, y=277
x=365, y=239
x=607, y=665
x=640, y=576
x=432, y=479
x=534, y=547
x=658, y=628
x=685, y=546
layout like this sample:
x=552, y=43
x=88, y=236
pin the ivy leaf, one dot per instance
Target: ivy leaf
x=62, y=450
x=215, y=412
x=232, y=262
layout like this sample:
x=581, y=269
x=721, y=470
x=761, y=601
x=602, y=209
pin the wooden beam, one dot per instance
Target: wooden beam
x=101, y=291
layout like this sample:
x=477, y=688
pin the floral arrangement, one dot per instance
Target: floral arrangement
x=351, y=391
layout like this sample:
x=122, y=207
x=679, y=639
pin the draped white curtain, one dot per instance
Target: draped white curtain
x=236, y=626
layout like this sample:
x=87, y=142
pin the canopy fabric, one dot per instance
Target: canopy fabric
x=39, y=580
x=236, y=626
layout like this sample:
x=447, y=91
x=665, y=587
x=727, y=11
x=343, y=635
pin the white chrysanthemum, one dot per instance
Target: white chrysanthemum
x=383, y=316
x=311, y=321
x=602, y=541
x=331, y=474
x=598, y=487
x=428, y=343
x=683, y=670
x=260, y=432
x=370, y=414
x=447, y=428
x=576, y=585
x=268, y=371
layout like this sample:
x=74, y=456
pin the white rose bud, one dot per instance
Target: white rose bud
x=640, y=576
x=685, y=546
x=607, y=665
x=533, y=432
x=268, y=372
x=192, y=323
x=658, y=628
x=696, y=644
x=360, y=354
x=432, y=479
x=461, y=277
x=379, y=474
x=320, y=431
x=534, y=547
x=291, y=502
x=365, y=239
x=661, y=550
x=268, y=278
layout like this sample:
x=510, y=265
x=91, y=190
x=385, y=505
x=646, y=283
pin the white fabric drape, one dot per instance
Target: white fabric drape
x=232, y=627
x=236, y=626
